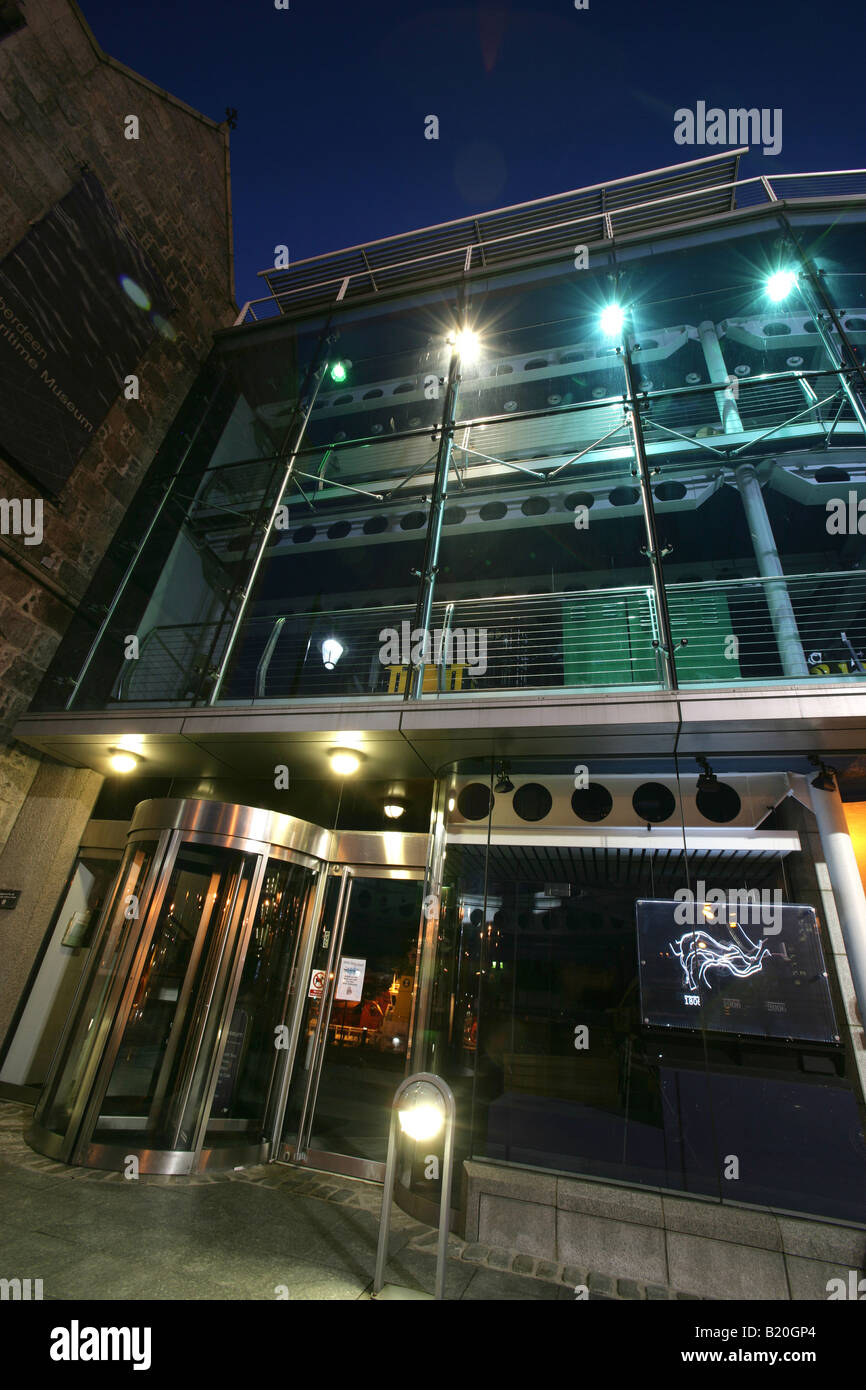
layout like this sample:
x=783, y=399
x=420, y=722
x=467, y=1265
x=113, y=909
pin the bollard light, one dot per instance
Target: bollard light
x=422, y=1112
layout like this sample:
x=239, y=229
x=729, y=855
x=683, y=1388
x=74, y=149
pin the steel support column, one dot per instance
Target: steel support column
x=654, y=549
x=845, y=881
x=725, y=400
x=770, y=568
x=430, y=563
x=760, y=529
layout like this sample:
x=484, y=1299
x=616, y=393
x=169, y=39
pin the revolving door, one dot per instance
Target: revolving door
x=178, y=1045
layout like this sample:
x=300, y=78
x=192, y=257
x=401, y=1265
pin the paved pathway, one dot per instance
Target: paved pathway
x=260, y=1233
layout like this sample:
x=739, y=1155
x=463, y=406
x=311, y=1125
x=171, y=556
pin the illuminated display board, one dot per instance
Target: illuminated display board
x=742, y=970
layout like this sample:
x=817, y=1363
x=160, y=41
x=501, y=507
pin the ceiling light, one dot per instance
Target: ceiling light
x=612, y=320
x=344, y=762
x=504, y=782
x=707, y=780
x=394, y=808
x=123, y=761
x=780, y=285
x=332, y=650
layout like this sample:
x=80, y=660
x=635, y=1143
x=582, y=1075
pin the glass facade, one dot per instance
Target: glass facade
x=578, y=1033
x=591, y=494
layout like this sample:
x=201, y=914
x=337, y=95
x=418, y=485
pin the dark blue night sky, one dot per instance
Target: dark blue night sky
x=532, y=99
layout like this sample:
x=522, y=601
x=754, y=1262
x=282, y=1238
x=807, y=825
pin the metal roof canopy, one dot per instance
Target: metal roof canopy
x=541, y=228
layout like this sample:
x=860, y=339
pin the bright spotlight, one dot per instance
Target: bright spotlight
x=611, y=321
x=344, y=762
x=339, y=372
x=331, y=652
x=780, y=285
x=467, y=344
x=394, y=809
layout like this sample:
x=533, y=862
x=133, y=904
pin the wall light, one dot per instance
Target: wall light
x=344, y=762
x=394, y=809
x=332, y=650
x=339, y=371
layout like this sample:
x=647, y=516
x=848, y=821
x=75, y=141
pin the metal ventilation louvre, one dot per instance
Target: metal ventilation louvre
x=527, y=231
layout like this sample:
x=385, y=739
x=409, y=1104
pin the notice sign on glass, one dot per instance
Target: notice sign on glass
x=80, y=303
x=747, y=969
x=350, y=983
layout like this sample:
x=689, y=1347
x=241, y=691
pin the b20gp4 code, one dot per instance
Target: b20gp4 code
x=787, y=1331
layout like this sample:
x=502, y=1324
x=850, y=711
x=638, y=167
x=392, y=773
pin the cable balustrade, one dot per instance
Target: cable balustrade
x=729, y=633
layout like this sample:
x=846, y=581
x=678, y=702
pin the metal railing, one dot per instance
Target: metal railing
x=613, y=213
x=581, y=640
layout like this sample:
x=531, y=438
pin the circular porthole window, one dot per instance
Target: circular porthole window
x=532, y=801
x=304, y=534
x=375, y=525
x=624, y=497
x=492, y=511
x=592, y=803
x=718, y=803
x=452, y=516
x=579, y=499
x=413, y=521
x=832, y=475
x=670, y=492
x=475, y=801
x=654, y=802
x=535, y=506
x=339, y=530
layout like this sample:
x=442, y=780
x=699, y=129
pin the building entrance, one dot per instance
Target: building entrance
x=357, y=1022
x=207, y=976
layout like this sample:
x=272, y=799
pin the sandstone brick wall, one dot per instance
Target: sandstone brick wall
x=62, y=105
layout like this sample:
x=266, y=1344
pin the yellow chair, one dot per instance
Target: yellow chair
x=453, y=679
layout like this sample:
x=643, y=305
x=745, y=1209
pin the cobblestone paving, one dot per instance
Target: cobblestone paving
x=506, y=1270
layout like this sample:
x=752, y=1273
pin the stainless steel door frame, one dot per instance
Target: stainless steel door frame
x=232, y=958
x=320, y=1036
x=219, y=959
x=368, y=1169
x=293, y=1009
x=183, y=1003
x=100, y=1064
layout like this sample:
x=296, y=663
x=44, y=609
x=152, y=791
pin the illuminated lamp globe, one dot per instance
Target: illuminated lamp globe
x=332, y=650
x=422, y=1112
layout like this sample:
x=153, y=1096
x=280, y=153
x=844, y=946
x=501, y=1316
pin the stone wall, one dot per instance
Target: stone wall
x=709, y=1249
x=62, y=106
